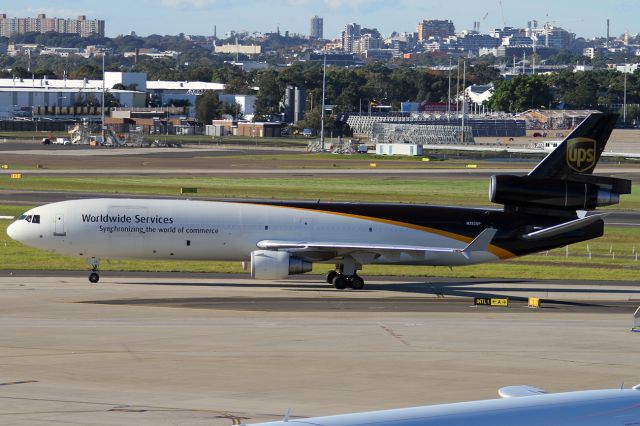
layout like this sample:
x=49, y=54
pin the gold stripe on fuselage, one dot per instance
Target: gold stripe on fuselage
x=497, y=251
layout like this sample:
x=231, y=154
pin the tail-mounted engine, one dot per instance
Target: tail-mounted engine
x=580, y=192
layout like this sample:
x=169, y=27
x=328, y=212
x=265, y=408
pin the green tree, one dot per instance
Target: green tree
x=521, y=93
x=270, y=94
x=207, y=107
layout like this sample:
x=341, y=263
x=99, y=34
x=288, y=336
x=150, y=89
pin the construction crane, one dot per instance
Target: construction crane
x=482, y=20
x=504, y=23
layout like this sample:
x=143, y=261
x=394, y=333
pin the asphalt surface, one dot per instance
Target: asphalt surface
x=309, y=293
x=202, y=349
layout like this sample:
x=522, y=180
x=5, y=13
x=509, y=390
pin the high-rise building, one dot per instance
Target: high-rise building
x=317, y=24
x=42, y=24
x=558, y=38
x=351, y=33
x=435, y=28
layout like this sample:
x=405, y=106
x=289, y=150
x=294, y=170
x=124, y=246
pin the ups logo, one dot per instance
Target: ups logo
x=581, y=154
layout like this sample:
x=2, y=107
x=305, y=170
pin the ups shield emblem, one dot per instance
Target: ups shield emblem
x=581, y=154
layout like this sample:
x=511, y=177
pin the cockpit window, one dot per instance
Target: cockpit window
x=28, y=219
x=36, y=218
x=22, y=217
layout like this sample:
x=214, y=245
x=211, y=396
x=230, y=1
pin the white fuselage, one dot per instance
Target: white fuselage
x=205, y=230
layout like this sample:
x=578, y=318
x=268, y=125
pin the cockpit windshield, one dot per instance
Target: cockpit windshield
x=31, y=218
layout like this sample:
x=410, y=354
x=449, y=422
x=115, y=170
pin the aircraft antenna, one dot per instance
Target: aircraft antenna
x=286, y=415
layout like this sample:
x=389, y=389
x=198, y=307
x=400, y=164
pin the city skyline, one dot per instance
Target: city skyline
x=198, y=17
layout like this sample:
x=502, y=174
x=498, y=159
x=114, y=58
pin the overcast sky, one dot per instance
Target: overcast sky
x=587, y=18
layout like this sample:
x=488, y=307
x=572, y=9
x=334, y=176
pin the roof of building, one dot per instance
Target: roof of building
x=63, y=90
x=561, y=113
x=480, y=88
x=183, y=85
x=29, y=83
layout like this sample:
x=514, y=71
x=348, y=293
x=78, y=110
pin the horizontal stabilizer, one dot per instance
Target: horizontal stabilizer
x=481, y=242
x=519, y=391
x=563, y=227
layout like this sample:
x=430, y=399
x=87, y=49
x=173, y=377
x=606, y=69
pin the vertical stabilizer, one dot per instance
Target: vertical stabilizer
x=580, y=151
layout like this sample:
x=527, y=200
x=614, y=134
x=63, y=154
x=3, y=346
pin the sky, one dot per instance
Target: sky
x=587, y=18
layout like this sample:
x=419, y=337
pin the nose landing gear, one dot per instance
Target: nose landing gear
x=94, y=276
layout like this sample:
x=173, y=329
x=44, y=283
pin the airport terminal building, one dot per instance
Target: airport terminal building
x=19, y=97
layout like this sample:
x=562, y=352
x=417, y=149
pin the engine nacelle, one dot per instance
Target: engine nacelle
x=276, y=265
x=549, y=193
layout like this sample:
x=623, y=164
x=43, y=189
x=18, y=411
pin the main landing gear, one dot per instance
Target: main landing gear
x=342, y=281
x=94, y=276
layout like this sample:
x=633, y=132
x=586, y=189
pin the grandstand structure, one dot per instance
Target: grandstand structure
x=420, y=134
x=440, y=125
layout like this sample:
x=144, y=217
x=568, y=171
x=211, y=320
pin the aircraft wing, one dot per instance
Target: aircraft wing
x=480, y=243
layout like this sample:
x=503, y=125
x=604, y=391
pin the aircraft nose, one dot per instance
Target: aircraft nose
x=12, y=231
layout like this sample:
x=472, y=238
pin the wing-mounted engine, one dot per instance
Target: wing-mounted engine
x=580, y=192
x=276, y=265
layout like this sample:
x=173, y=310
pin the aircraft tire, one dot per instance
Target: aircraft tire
x=357, y=283
x=340, y=282
x=94, y=277
x=331, y=275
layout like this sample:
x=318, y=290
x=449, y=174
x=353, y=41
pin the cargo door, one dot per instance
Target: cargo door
x=58, y=229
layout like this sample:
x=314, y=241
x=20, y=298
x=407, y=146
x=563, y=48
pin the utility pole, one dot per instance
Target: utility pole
x=324, y=85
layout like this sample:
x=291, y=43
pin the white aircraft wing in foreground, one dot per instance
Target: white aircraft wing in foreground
x=519, y=406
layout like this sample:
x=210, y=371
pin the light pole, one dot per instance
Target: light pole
x=324, y=86
x=624, y=105
x=464, y=95
x=102, y=115
x=449, y=95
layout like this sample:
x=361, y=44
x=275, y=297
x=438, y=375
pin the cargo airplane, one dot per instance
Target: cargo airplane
x=542, y=210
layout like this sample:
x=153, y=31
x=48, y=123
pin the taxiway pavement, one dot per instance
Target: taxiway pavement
x=156, y=349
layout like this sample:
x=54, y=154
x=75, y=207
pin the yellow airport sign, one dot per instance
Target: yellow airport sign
x=16, y=175
x=472, y=166
x=5, y=166
x=491, y=301
x=373, y=165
